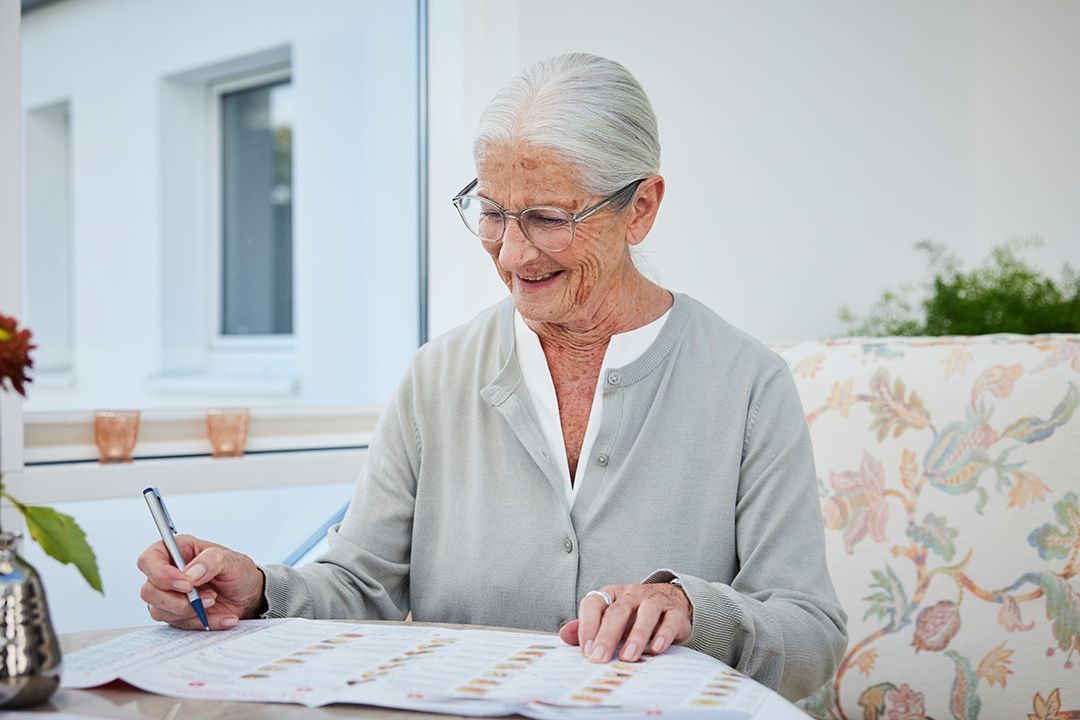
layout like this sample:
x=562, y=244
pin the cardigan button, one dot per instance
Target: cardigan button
x=613, y=378
x=569, y=545
x=601, y=459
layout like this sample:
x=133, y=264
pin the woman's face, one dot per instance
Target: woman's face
x=566, y=287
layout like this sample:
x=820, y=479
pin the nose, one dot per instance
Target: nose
x=516, y=250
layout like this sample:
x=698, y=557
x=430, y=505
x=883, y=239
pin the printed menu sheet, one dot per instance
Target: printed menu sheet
x=462, y=672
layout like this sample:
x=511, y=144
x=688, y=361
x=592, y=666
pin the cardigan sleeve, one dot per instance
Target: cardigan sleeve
x=365, y=572
x=779, y=621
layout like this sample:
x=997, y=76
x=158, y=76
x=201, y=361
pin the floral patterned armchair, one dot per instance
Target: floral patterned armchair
x=949, y=472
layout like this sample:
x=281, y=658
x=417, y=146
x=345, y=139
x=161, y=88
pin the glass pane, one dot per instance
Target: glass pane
x=119, y=529
x=256, y=277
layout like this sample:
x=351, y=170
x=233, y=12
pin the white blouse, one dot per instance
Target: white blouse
x=622, y=350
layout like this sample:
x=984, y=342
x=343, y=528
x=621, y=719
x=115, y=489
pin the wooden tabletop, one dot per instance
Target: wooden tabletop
x=119, y=700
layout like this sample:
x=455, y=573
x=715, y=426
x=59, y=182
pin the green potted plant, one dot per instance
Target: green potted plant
x=29, y=650
x=1003, y=294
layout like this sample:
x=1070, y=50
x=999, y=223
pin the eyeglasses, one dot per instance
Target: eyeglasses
x=549, y=228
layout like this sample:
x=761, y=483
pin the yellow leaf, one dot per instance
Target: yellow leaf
x=1026, y=488
x=865, y=661
x=810, y=366
x=994, y=668
x=957, y=362
x=909, y=468
x=1048, y=709
x=842, y=398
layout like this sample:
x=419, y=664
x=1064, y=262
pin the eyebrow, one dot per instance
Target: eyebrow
x=570, y=205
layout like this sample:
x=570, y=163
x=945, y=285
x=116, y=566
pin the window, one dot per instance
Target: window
x=47, y=181
x=217, y=210
x=243, y=228
x=256, y=211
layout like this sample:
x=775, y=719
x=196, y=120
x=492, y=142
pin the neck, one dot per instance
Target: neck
x=629, y=303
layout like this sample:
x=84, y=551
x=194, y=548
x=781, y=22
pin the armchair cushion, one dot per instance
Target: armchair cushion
x=949, y=476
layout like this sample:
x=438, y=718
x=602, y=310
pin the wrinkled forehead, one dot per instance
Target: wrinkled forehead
x=518, y=176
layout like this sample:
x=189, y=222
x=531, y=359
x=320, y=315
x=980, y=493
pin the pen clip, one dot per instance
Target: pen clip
x=165, y=511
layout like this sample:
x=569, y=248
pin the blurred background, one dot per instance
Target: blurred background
x=248, y=204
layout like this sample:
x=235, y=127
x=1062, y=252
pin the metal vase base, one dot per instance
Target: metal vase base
x=30, y=657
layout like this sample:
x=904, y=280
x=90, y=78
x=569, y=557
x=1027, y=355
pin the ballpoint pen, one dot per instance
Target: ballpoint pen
x=168, y=530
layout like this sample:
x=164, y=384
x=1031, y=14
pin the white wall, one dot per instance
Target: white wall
x=806, y=146
x=132, y=72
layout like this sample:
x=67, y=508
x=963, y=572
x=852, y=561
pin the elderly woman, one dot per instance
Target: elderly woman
x=594, y=455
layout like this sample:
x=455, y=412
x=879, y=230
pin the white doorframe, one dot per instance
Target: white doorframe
x=11, y=260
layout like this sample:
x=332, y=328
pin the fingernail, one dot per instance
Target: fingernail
x=598, y=653
x=629, y=652
x=588, y=647
x=182, y=586
x=208, y=602
x=230, y=622
x=658, y=645
x=195, y=572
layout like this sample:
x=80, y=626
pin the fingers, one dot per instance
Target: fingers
x=569, y=632
x=217, y=621
x=614, y=623
x=589, y=614
x=637, y=641
x=675, y=626
x=207, y=565
x=174, y=603
x=156, y=565
x=644, y=618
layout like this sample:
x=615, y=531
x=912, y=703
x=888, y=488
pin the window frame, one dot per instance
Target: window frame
x=229, y=354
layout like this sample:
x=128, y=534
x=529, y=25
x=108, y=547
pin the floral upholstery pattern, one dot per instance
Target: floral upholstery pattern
x=949, y=474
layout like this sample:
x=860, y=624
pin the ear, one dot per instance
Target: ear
x=644, y=208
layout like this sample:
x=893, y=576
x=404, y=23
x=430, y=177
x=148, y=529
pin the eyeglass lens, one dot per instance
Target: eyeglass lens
x=547, y=228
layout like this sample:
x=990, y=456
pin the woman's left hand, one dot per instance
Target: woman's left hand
x=650, y=617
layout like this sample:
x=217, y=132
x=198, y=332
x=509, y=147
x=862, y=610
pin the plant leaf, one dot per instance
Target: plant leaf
x=891, y=410
x=821, y=702
x=909, y=469
x=935, y=534
x=1049, y=708
x=994, y=667
x=891, y=602
x=1027, y=488
x=964, y=702
x=1062, y=608
x=1054, y=543
x=865, y=661
x=872, y=700
x=62, y=539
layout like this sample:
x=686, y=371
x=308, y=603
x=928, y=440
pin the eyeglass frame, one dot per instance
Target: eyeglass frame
x=575, y=218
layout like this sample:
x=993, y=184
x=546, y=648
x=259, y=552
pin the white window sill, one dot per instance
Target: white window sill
x=57, y=437
x=78, y=482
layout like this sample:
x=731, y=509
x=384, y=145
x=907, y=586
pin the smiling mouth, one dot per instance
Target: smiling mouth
x=538, y=278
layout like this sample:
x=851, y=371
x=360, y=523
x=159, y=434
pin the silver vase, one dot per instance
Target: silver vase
x=29, y=650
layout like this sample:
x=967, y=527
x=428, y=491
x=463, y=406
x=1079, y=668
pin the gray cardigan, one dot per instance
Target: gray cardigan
x=702, y=469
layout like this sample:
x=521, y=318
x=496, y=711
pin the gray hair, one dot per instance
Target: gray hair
x=589, y=109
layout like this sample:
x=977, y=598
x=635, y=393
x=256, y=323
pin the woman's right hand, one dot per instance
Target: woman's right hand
x=230, y=584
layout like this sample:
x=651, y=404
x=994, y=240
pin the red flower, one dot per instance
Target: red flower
x=936, y=625
x=15, y=347
x=905, y=704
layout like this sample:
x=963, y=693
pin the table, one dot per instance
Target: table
x=119, y=700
